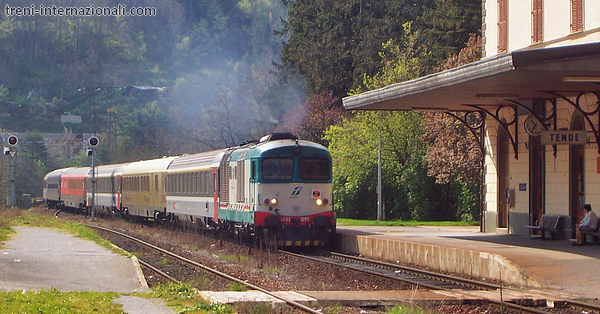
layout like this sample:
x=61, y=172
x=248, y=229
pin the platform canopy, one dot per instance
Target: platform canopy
x=519, y=75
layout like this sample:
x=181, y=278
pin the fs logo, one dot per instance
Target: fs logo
x=296, y=191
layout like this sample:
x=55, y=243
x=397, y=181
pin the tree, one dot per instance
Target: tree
x=31, y=164
x=408, y=192
x=332, y=44
x=453, y=156
x=311, y=119
x=142, y=132
x=446, y=25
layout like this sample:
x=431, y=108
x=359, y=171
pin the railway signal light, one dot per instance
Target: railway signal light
x=12, y=140
x=93, y=141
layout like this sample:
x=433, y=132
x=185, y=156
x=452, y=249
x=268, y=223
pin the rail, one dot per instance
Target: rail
x=210, y=270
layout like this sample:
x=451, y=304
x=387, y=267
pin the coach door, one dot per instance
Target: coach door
x=577, y=173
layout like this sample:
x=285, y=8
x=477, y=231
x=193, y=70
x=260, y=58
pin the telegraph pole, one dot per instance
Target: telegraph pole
x=380, y=213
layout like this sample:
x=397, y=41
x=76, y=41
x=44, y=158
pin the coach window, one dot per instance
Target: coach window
x=200, y=181
x=194, y=182
x=206, y=183
x=180, y=183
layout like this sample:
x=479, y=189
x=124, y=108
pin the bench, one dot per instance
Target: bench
x=594, y=234
x=549, y=223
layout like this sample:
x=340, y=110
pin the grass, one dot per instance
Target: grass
x=185, y=298
x=233, y=258
x=409, y=309
x=360, y=222
x=237, y=287
x=53, y=301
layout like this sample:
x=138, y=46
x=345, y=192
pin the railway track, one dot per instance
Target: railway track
x=437, y=281
x=418, y=278
x=208, y=270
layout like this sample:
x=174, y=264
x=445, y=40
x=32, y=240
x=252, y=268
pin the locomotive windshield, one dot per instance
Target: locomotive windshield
x=314, y=169
x=277, y=169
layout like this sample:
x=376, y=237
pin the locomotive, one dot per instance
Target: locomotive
x=279, y=187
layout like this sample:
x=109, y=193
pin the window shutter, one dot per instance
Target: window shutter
x=502, y=26
x=576, y=16
x=537, y=19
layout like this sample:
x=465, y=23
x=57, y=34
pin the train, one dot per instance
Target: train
x=279, y=187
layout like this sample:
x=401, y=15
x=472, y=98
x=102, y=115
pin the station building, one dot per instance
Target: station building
x=533, y=101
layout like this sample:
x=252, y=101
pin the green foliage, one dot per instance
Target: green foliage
x=30, y=164
x=402, y=60
x=210, y=308
x=353, y=146
x=409, y=309
x=175, y=291
x=447, y=24
x=332, y=44
x=53, y=301
x=237, y=287
x=408, y=191
x=234, y=258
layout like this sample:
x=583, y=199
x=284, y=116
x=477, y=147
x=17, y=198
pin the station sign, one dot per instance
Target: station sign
x=565, y=137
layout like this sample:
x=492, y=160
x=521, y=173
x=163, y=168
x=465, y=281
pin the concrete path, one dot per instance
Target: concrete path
x=41, y=258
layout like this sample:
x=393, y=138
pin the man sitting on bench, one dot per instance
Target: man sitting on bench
x=588, y=223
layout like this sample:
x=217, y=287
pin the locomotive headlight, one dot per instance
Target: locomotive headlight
x=322, y=201
x=270, y=201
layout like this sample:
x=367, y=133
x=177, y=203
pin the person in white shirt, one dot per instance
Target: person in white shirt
x=588, y=223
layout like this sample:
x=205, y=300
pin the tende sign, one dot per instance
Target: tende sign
x=564, y=137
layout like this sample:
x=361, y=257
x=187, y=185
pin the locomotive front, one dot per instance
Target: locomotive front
x=294, y=192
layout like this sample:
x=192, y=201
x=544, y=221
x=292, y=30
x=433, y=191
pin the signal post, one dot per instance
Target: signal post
x=11, y=150
x=92, y=143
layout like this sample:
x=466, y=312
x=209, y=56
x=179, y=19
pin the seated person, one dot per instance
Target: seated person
x=588, y=223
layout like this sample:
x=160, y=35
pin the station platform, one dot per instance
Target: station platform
x=523, y=261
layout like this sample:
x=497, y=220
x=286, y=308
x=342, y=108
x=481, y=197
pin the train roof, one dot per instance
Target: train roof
x=272, y=147
x=55, y=173
x=146, y=166
x=109, y=169
x=80, y=171
x=204, y=160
